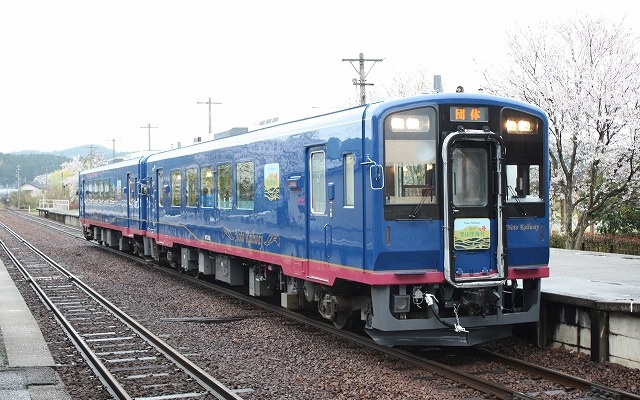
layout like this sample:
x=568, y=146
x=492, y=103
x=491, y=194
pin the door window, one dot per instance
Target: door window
x=318, y=183
x=176, y=188
x=470, y=177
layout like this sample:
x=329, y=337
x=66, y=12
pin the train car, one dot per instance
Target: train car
x=424, y=218
x=112, y=202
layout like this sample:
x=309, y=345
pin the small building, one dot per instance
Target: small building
x=33, y=188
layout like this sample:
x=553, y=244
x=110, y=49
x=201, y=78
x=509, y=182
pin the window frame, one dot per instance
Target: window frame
x=245, y=191
x=191, y=187
x=206, y=183
x=349, y=166
x=318, y=192
x=175, y=182
x=224, y=170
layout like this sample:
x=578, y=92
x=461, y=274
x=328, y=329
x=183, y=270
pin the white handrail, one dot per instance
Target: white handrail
x=53, y=204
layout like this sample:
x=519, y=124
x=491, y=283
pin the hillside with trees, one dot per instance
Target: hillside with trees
x=55, y=174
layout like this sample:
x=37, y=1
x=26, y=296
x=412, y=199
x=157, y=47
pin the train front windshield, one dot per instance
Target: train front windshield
x=411, y=148
x=410, y=161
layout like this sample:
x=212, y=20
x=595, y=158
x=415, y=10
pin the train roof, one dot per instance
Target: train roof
x=453, y=98
x=347, y=115
x=325, y=120
x=126, y=161
x=354, y=114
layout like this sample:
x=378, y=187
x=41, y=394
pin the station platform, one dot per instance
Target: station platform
x=27, y=369
x=610, y=280
x=67, y=217
x=591, y=304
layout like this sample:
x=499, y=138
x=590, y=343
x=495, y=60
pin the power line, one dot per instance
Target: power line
x=362, y=81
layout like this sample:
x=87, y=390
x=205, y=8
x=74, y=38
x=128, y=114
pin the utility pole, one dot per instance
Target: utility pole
x=362, y=80
x=18, y=176
x=92, y=155
x=113, y=144
x=149, y=127
x=209, y=103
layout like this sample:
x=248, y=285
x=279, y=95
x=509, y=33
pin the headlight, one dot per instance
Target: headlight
x=521, y=126
x=417, y=123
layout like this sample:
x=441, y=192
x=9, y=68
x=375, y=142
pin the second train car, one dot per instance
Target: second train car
x=424, y=218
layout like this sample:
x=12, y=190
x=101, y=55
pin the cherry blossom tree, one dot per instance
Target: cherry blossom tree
x=71, y=170
x=586, y=76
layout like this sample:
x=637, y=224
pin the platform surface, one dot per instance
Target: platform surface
x=600, y=277
x=26, y=365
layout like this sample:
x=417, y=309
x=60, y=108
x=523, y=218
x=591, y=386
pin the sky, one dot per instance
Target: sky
x=83, y=72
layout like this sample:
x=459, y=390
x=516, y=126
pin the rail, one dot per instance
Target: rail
x=112, y=383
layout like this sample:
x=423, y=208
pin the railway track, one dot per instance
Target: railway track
x=558, y=383
x=130, y=361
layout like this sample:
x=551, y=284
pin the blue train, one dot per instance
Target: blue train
x=426, y=218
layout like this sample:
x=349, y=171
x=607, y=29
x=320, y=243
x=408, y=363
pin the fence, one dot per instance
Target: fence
x=53, y=204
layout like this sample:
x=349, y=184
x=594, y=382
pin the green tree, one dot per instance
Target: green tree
x=624, y=219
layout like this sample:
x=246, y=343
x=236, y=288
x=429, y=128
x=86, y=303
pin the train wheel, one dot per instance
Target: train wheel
x=343, y=319
x=174, y=259
x=138, y=249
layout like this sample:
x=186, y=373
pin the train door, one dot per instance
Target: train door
x=130, y=199
x=474, y=234
x=319, y=229
x=154, y=202
x=82, y=193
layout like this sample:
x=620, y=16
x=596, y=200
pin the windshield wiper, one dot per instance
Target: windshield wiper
x=427, y=192
x=518, y=204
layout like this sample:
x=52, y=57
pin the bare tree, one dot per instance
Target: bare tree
x=408, y=84
x=586, y=76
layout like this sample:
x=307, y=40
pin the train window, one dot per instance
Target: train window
x=224, y=186
x=523, y=183
x=176, y=188
x=349, y=181
x=469, y=167
x=119, y=189
x=409, y=160
x=206, y=186
x=134, y=191
x=101, y=190
x=245, y=177
x=524, y=136
x=130, y=189
x=318, y=183
x=160, y=189
x=192, y=187
x=112, y=191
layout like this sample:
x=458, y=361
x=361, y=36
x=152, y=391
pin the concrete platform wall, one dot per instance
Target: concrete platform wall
x=624, y=339
x=604, y=335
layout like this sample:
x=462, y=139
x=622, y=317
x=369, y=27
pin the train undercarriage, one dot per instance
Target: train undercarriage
x=424, y=315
